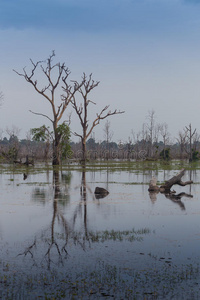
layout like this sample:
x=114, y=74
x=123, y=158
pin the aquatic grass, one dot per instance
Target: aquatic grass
x=104, y=281
x=120, y=235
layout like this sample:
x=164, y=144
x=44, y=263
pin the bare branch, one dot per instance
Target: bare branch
x=76, y=134
x=102, y=117
x=39, y=114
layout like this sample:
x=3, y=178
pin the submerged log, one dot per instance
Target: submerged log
x=166, y=188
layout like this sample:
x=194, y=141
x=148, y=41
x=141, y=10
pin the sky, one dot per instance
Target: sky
x=145, y=53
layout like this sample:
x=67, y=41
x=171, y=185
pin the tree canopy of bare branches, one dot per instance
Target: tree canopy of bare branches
x=86, y=86
x=55, y=76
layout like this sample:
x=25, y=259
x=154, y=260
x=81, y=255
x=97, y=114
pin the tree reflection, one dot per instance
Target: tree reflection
x=61, y=184
x=64, y=231
x=175, y=198
x=51, y=237
x=153, y=196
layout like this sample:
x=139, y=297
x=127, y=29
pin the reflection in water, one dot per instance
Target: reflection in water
x=65, y=231
x=52, y=240
x=39, y=194
x=153, y=196
x=79, y=249
x=61, y=186
x=175, y=198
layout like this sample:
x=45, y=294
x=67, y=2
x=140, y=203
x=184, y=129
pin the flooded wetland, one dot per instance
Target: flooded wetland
x=58, y=240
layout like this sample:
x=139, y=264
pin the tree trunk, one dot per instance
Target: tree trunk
x=56, y=154
x=83, y=160
x=56, y=147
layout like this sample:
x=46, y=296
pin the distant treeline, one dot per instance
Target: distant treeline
x=13, y=149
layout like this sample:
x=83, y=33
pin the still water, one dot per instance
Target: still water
x=57, y=240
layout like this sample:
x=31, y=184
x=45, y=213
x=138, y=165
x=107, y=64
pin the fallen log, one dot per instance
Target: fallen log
x=166, y=188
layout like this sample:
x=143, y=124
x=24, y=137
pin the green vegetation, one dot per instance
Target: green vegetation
x=165, y=154
x=195, y=155
x=110, y=166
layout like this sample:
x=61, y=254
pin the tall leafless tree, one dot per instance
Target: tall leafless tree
x=181, y=139
x=87, y=85
x=14, y=131
x=190, y=134
x=152, y=131
x=108, y=134
x=55, y=77
x=163, y=128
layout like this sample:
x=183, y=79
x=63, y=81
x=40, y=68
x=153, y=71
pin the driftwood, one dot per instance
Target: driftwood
x=166, y=188
x=153, y=185
x=174, y=180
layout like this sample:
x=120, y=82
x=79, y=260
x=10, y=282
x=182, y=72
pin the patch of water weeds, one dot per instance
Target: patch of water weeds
x=119, y=235
x=104, y=281
x=36, y=183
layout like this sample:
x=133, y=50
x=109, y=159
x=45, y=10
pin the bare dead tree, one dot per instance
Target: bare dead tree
x=182, y=137
x=13, y=131
x=86, y=86
x=108, y=134
x=163, y=128
x=55, y=76
x=196, y=139
x=135, y=140
x=152, y=130
x=190, y=135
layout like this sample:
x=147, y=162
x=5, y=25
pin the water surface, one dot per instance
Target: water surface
x=58, y=239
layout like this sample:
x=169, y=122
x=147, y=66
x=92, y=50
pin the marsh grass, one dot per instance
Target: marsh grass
x=98, y=166
x=105, y=281
x=119, y=235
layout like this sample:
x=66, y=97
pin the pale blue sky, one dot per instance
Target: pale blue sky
x=146, y=54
